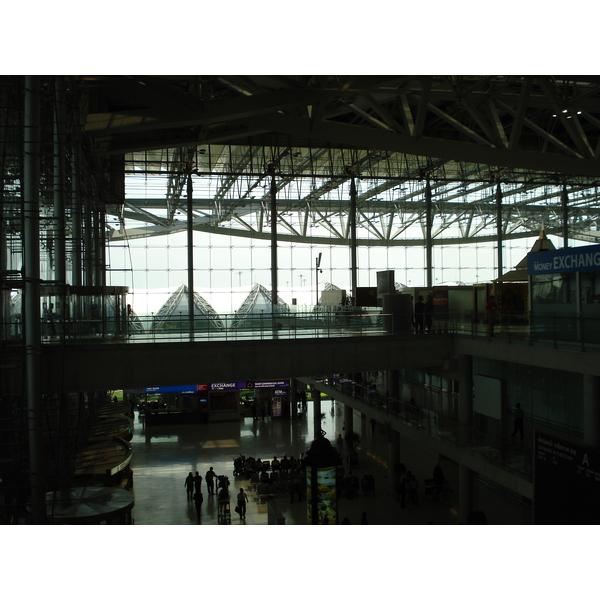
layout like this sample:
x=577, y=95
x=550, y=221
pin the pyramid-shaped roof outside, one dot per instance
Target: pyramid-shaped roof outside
x=176, y=308
x=258, y=302
x=519, y=273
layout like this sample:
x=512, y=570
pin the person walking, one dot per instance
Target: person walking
x=242, y=500
x=210, y=481
x=198, y=482
x=189, y=485
x=518, y=425
x=198, y=499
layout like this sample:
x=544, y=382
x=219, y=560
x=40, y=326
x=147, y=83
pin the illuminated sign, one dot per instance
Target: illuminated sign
x=220, y=387
x=182, y=389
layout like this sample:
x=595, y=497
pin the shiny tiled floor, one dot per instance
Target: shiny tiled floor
x=164, y=455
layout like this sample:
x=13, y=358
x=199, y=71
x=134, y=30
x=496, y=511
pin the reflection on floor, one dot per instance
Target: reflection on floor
x=164, y=455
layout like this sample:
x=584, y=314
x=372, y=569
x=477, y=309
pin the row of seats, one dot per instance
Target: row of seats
x=279, y=488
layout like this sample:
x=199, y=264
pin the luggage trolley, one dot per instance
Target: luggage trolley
x=224, y=514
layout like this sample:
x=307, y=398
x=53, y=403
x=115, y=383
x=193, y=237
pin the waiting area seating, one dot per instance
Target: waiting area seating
x=269, y=478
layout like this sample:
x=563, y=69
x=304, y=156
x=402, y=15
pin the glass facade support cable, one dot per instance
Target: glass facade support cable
x=32, y=326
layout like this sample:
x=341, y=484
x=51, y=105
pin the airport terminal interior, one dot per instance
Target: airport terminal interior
x=360, y=299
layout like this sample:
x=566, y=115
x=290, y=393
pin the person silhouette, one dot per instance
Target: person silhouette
x=189, y=485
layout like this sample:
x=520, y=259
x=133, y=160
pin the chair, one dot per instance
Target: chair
x=262, y=489
x=266, y=465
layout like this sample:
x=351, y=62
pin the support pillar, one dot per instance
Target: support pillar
x=499, y=228
x=353, y=242
x=31, y=322
x=591, y=411
x=316, y=398
x=393, y=383
x=190, y=255
x=393, y=460
x=465, y=493
x=293, y=398
x=274, y=291
x=565, y=216
x=465, y=420
x=465, y=398
x=428, y=235
x=348, y=419
x=363, y=426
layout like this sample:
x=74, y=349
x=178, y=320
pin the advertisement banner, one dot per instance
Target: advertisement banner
x=326, y=496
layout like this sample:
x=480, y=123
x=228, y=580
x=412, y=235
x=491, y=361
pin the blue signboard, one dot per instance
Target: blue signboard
x=182, y=389
x=567, y=260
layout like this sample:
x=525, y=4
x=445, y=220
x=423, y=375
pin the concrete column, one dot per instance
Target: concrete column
x=591, y=411
x=465, y=397
x=393, y=459
x=465, y=493
x=348, y=419
x=316, y=398
x=293, y=398
x=393, y=383
x=465, y=419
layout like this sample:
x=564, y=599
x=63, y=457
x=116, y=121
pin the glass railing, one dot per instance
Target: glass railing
x=549, y=329
x=495, y=449
x=343, y=322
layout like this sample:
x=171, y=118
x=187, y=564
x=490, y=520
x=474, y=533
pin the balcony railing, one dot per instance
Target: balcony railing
x=549, y=329
x=498, y=450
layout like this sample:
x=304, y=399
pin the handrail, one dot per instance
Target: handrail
x=494, y=449
x=549, y=329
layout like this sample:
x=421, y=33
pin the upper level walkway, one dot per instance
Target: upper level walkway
x=85, y=357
